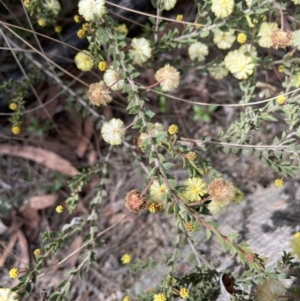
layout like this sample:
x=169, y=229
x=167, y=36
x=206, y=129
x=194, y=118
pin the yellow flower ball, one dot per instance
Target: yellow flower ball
x=155, y=206
x=242, y=38
x=189, y=227
x=192, y=156
x=179, y=17
x=13, y=106
x=26, y=3
x=86, y=26
x=81, y=34
x=173, y=129
x=122, y=29
x=159, y=297
x=280, y=68
x=42, y=22
x=102, y=66
x=281, y=99
x=14, y=273
x=77, y=18
x=84, y=60
x=16, y=130
x=59, y=209
x=126, y=258
x=126, y=298
x=184, y=293
x=278, y=183
x=57, y=28
x=37, y=252
x=151, y=207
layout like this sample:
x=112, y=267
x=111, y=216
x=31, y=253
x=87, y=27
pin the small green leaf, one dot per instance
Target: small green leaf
x=204, y=34
x=208, y=233
x=168, y=165
x=196, y=227
x=153, y=172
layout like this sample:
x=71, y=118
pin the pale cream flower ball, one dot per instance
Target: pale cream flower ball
x=90, y=9
x=240, y=65
x=7, y=295
x=141, y=51
x=224, y=39
x=84, y=60
x=265, y=32
x=295, y=40
x=113, y=79
x=169, y=4
x=52, y=5
x=198, y=51
x=168, y=77
x=113, y=131
x=222, y=8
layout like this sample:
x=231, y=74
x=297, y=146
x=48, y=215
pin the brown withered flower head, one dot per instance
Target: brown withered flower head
x=250, y=257
x=134, y=202
x=280, y=38
x=221, y=191
x=99, y=94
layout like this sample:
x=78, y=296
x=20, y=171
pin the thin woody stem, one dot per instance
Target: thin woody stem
x=281, y=17
x=147, y=187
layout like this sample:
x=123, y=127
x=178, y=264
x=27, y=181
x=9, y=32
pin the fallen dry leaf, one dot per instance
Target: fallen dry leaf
x=61, y=149
x=75, y=245
x=51, y=102
x=41, y=156
x=31, y=219
x=3, y=228
x=43, y=201
x=24, y=254
x=92, y=157
x=84, y=140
